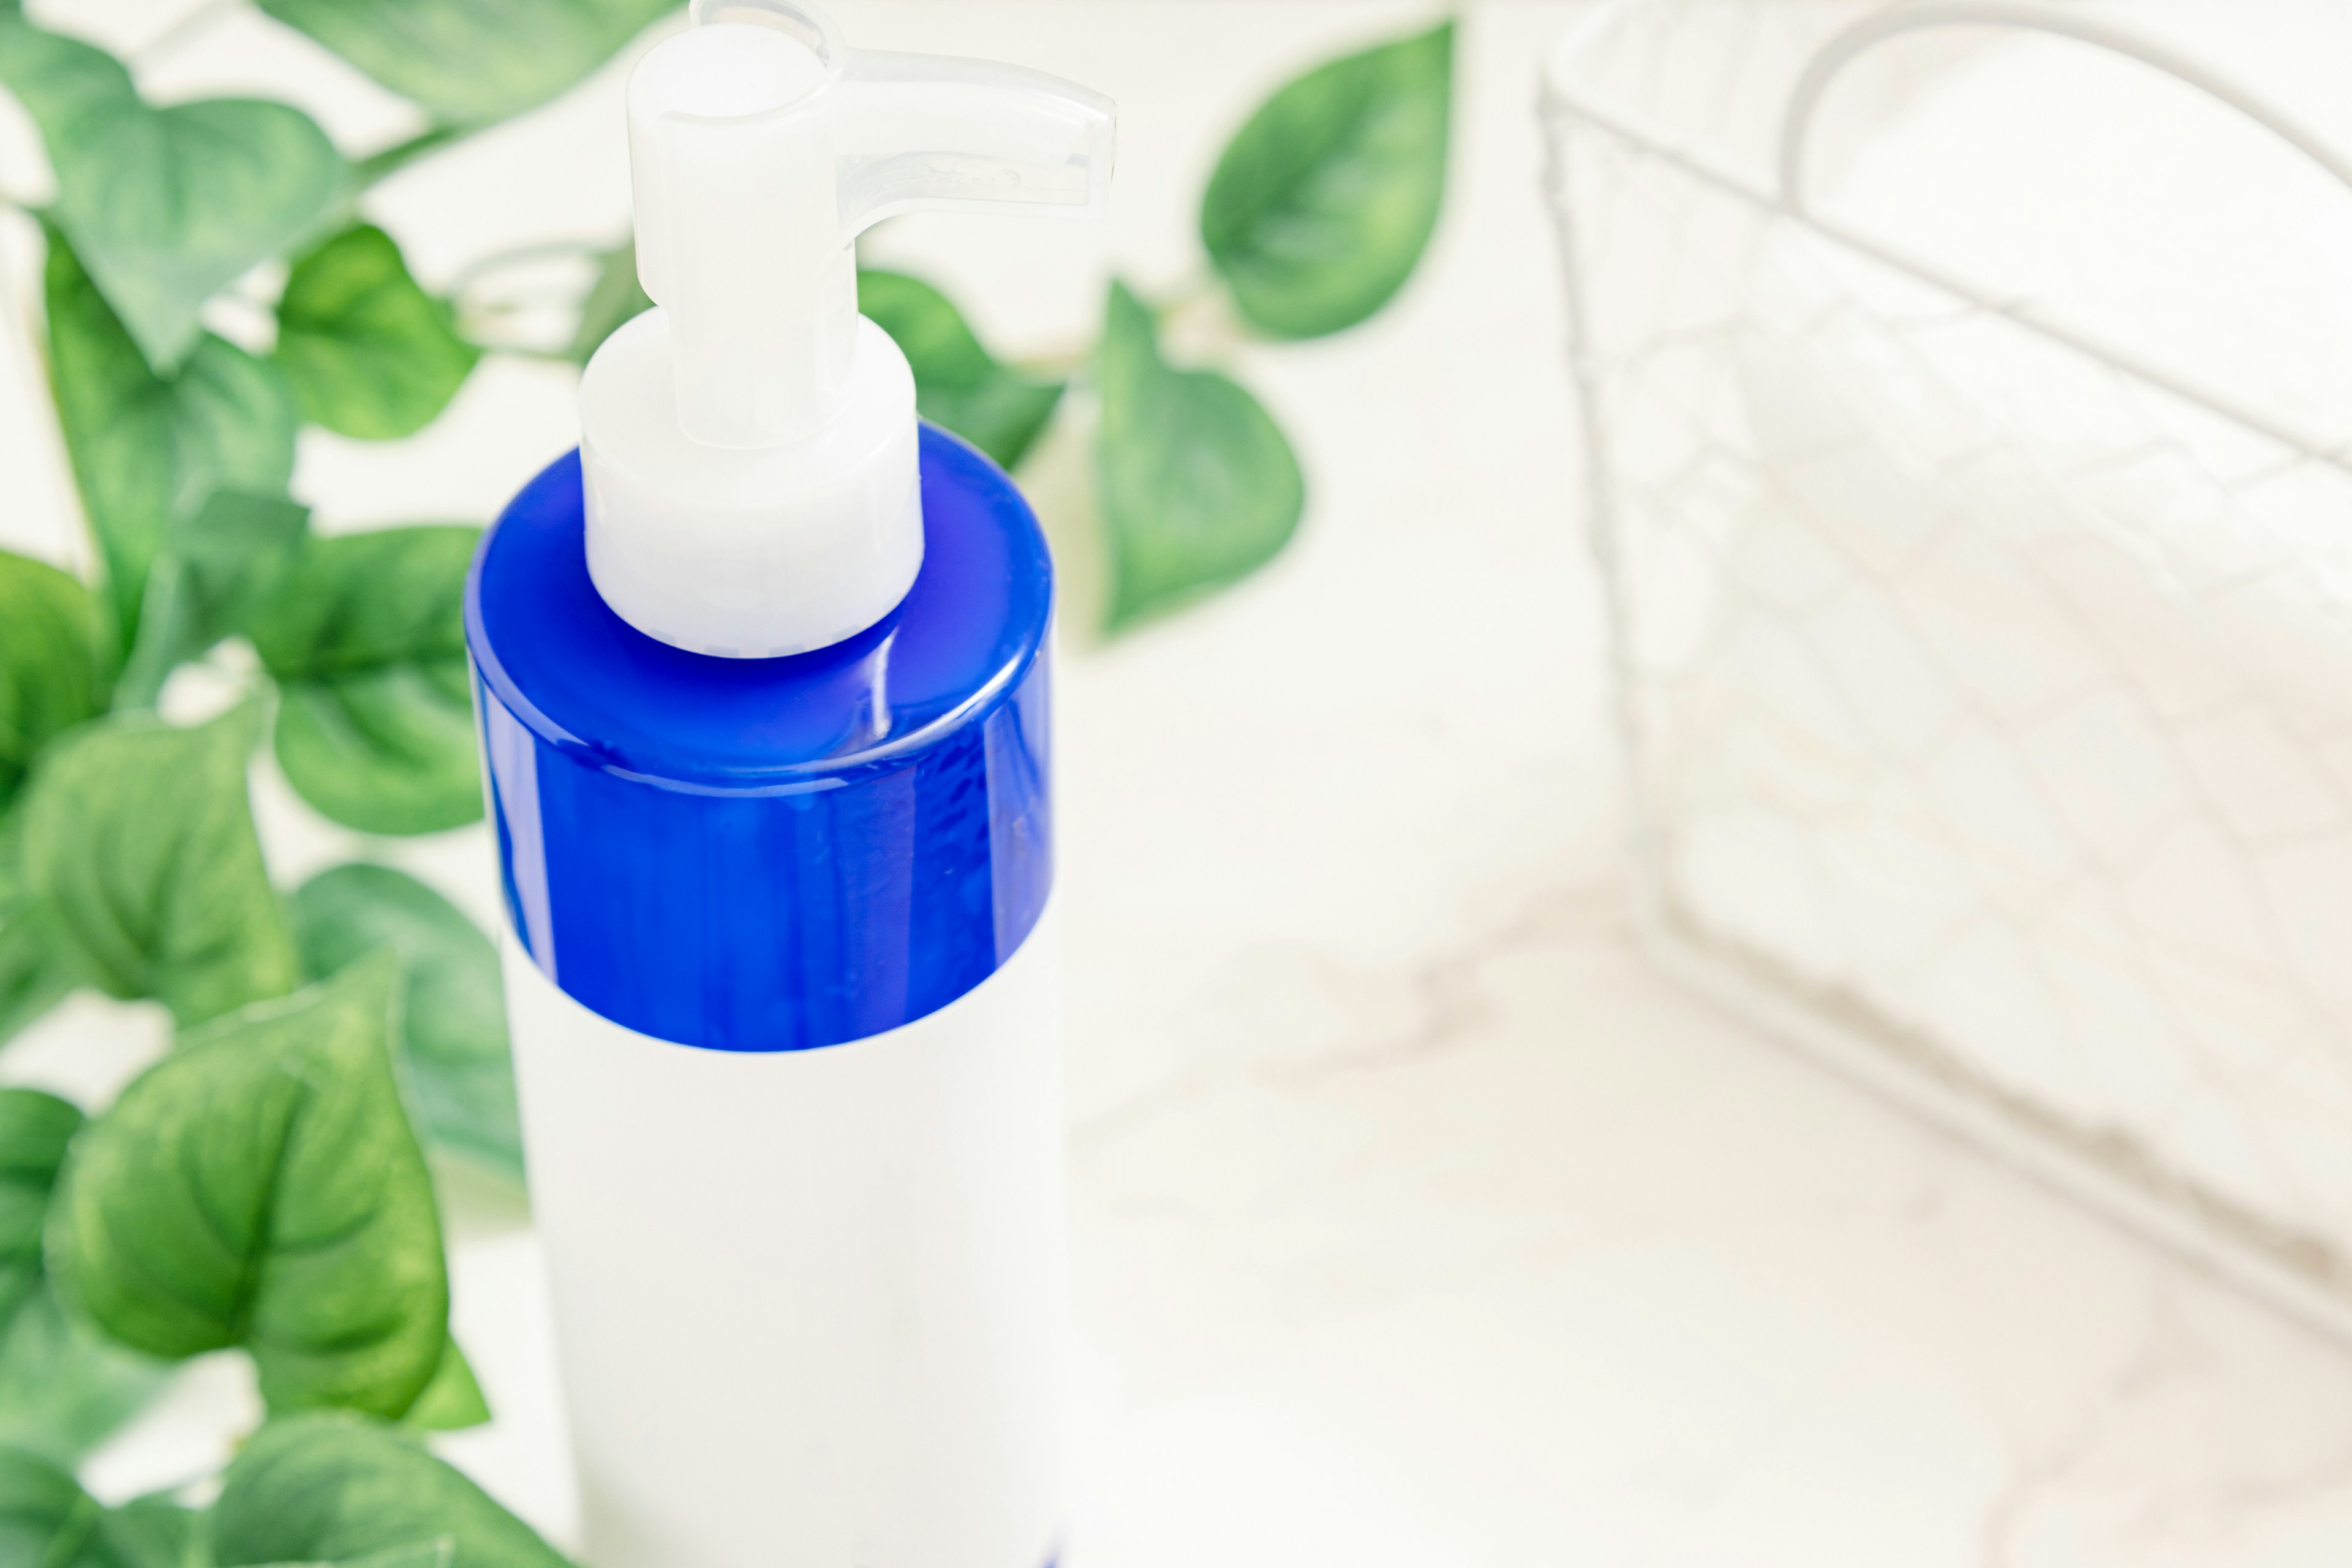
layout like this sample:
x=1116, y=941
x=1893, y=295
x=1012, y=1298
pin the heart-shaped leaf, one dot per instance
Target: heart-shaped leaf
x=166, y=205
x=1323, y=201
x=368, y=352
x=366, y=637
x=958, y=384
x=615, y=298
x=46, y=1520
x=453, y=1013
x=1198, y=486
x=148, y=451
x=139, y=839
x=54, y=663
x=336, y=1489
x=211, y=571
x=473, y=61
x=261, y=1187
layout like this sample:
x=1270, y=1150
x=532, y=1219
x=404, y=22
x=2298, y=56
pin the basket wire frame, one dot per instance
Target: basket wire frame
x=1746, y=369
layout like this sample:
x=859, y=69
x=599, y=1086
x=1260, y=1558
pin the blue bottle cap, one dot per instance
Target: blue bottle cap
x=761, y=855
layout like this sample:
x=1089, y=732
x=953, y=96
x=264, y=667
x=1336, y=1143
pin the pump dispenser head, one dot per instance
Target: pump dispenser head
x=748, y=445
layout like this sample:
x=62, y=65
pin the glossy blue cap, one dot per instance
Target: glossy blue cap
x=765, y=854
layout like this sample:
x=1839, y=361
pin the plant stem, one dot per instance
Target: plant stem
x=197, y=21
x=474, y=271
x=1056, y=363
x=1191, y=291
x=520, y=351
x=400, y=154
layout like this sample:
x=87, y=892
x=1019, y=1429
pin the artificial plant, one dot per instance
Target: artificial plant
x=266, y=1186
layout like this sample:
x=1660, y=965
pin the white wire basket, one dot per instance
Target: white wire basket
x=1986, y=679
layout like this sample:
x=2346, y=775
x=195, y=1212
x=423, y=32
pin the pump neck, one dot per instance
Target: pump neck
x=761, y=148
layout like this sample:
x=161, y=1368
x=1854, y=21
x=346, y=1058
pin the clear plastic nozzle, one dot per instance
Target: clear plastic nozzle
x=759, y=148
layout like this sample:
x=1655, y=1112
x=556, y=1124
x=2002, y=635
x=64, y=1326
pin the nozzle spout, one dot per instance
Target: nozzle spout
x=931, y=134
x=761, y=148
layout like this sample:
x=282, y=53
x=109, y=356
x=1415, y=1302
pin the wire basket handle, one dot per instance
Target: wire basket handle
x=1839, y=51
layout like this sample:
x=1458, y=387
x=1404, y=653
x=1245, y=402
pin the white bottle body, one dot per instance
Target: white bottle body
x=811, y=1305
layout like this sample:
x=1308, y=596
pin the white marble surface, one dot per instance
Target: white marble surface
x=1417, y=1220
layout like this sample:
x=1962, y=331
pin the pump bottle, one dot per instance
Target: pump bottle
x=761, y=673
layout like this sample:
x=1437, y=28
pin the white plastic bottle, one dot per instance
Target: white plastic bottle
x=762, y=678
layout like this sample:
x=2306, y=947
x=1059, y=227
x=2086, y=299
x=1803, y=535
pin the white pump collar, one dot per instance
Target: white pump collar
x=749, y=447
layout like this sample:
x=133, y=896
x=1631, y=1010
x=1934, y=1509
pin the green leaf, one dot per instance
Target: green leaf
x=454, y=1027
x=64, y=1386
x=332, y=1488
x=366, y=637
x=213, y=569
x=473, y=61
x=1198, y=486
x=615, y=298
x=140, y=840
x=1323, y=201
x=36, y=966
x=261, y=1187
x=46, y=1520
x=453, y=1401
x=54, y=667
x=367, y=352
x=957, y=384
x=166, y=205
x=147, y=451
x=35, y=1129
x=153, y=1532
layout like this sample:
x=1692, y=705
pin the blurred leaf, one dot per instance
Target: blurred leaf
x=337, y=1489
x=453, y=1011
x=37, y=969
x=166, y=206
x=957, y=384
x=140, y=838
x=261, y=1187
x=1198, y=486
x=367, y=352
x=46, y=1520
x=53, y=663
x=35, y=1129
x=366, y=637
x=210, y=573
x=62, y=1387
x=155, y=1532
x=473, y=61
x=453, y=1401
x=1322, y=204
x=148, y=450
x=615, y=298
